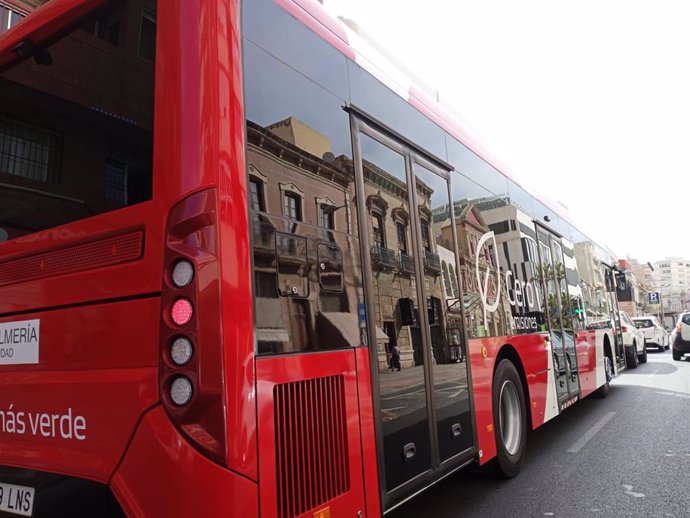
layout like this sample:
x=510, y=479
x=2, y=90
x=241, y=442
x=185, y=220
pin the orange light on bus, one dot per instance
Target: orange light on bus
x=181, y=312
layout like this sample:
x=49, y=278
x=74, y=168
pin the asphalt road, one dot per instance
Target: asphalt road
x=626, y=455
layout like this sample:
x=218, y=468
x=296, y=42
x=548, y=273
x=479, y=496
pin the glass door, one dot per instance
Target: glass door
x=559, y=314
x=450, y=387
x=419, y=370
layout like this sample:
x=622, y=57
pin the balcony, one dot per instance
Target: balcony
x=406, y=263
x=432, y=262
x=383, y=258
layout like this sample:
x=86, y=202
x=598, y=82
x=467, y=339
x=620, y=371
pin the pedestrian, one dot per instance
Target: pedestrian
x=395, y=358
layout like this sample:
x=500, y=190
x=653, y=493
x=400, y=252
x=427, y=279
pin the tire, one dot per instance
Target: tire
x=676, y=355
x=604, y=390
x=643, y=356
x=631, y=357
x=510, y=420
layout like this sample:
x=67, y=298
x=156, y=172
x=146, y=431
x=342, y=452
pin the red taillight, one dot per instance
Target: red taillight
x=624, y=329
x=181, y=312
x=191, y=373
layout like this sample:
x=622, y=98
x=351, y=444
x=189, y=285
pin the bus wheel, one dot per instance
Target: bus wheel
x=510, y=420
x=603, y=391
x=643, y=356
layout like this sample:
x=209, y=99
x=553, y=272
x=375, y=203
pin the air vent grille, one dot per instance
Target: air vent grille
x=311, y=444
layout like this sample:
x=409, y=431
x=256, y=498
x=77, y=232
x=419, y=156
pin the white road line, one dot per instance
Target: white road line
x=591, y=433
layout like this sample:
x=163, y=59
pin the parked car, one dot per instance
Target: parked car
x=634, y=342
x=653, y=332
x=681, y=334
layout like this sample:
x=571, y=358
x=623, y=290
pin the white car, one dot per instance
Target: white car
x=653, y=332
x=681, y=337
x=634, y=342
x=633, y=339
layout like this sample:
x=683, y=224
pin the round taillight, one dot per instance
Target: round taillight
x=181, y=312
x=181, y=351
x=181, y=391
x=182, y=273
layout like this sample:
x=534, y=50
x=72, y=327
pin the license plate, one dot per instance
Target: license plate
x=16, y=499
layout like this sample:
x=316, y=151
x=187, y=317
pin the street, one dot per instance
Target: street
x=626, y=455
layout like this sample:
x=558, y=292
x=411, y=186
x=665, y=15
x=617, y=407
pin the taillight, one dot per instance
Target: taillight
x=181, y=312
x=191, y=375
x=182, y=273
x=624, y=329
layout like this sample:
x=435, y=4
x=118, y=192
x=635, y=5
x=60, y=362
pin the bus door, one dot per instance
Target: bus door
x=560, y=314
x=420, y=382
x=615, y=316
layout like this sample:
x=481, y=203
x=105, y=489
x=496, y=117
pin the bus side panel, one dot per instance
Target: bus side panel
x=310, y=455
x=76, y=409
x=368, y=430
x=163, y=476
x=585, y=346
x=482, y=355
x=533, y=352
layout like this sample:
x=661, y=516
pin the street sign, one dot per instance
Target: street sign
x=654, y=297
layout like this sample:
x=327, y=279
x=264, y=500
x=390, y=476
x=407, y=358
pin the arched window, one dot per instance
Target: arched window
x=256, y=194
x=378, y=229
x=453, y=281
x=446, y=279
x=426, y=235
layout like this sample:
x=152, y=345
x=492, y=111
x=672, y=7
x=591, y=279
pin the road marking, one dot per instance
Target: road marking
x=628, y=491
x=674, y=394
x=591, y=433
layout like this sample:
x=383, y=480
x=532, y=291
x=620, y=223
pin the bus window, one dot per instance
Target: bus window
x=76, y=125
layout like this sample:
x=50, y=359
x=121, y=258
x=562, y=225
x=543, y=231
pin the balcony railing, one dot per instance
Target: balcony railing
x=432, y=262
x=406, y=263
x=383, y=258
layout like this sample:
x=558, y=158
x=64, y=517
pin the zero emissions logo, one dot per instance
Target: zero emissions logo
x=524, y=293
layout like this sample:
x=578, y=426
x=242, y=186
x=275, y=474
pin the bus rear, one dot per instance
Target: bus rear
x=113, y=389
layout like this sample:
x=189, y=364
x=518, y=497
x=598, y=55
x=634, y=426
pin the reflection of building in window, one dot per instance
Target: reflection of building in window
x=106, y=27
x=10, y=15
x=256, y=194
x=125, y=182
x=76, y=135
x=292, y=206
x=446, y=280
x=426, y=240
x=29, y=151
x=307, y=297
x=470, y=226
x=147, y=36
x=402, y=237
x=378, y=229
x=327, y=217
x=453, y=280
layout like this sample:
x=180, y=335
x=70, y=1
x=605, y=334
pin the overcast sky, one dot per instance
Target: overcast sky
x=587, y=102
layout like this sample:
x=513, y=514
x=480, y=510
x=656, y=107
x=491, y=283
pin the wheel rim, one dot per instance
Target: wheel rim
x=509, y=417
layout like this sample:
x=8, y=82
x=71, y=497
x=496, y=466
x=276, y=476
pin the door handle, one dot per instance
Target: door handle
x=455, y=430
x=409, y=451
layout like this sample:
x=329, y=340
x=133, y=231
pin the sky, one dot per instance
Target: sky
x=587, y=102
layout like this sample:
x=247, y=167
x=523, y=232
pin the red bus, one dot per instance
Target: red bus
x=248, y=269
